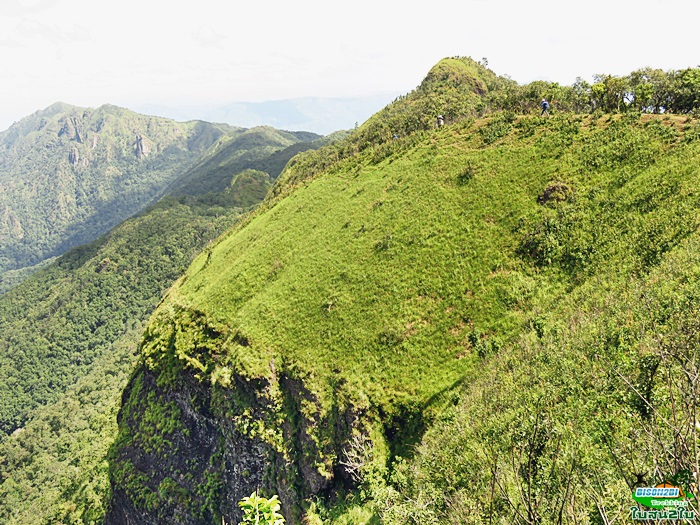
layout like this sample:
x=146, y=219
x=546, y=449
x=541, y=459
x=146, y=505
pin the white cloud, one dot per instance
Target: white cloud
x=30, y=30
x=11, y=43
x=25, y=7
x=207, y=37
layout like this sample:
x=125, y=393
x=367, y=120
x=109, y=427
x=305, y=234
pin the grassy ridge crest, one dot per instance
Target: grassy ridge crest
x=395, y=276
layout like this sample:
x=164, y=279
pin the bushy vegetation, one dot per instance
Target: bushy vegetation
x=57, y=324
x=461, y=286
x=259, y=510
x=54, y=469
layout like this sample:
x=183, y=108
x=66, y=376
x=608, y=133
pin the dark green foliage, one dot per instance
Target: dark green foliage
x=247, y=189
x=54, y=470
x=262, y=149
x=80, y=318
x=61, y=320
x=70, y=174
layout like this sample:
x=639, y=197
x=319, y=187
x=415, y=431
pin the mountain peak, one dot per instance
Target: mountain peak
x=57, y=107
x=457, y=73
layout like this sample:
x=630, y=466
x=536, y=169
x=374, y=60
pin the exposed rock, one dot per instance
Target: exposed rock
x=78, y=136
x=215, y=444
x=71, y=129
x=8, y=222
x=73, y=156
x=201, y=456
x=142, y=146
x=67, y=128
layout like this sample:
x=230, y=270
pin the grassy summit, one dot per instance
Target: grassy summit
x=462, y=324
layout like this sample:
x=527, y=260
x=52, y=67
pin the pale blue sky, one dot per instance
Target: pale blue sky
x=139, y=52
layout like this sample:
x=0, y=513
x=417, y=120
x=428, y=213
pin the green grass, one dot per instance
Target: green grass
x=341, y=275
x=438, y=284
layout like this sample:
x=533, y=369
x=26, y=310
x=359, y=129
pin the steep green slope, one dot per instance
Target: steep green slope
x=316, y=342
x=598, y=393
x=68, y=336
x=69, y=174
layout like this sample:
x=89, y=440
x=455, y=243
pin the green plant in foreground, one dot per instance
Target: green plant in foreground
x=261, y=511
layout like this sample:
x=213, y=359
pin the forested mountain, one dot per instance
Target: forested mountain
x=262, y=148
x=69, y=174
x=67, y=339
x=68, y=336
x=490, y=321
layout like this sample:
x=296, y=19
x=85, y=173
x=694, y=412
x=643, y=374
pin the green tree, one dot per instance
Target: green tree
x=685, y=87
x=611, y=93
x=660, y=99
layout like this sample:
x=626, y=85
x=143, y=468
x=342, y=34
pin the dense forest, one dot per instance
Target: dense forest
x=68, y=336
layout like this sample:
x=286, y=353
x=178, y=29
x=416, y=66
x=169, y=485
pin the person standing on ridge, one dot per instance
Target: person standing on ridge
x=440, y=121
x=545, y=107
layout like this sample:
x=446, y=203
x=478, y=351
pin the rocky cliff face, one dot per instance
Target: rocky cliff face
x=198, y=461
x=192, y=444
x=142, y=146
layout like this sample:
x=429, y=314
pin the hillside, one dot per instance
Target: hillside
x=69, y=174
x=68, y=336
x=483, y=322
x=262, y=148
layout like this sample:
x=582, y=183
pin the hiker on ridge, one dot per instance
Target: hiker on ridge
x=440, y=121
x=545, y=107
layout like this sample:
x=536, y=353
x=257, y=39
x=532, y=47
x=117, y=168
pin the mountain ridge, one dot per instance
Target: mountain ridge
x=68, y=335
x=321, y=115
x=68, y=174
x=331, y=345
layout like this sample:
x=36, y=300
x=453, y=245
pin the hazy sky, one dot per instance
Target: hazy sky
x=136, y=52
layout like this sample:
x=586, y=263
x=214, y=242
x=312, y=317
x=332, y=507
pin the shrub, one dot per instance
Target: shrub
x=261, y=511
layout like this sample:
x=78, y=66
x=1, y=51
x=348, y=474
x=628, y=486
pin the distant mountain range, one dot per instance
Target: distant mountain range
x=69, y=174
x=318, y=114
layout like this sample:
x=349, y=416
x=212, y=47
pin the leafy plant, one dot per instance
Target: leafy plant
x=261, y=511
